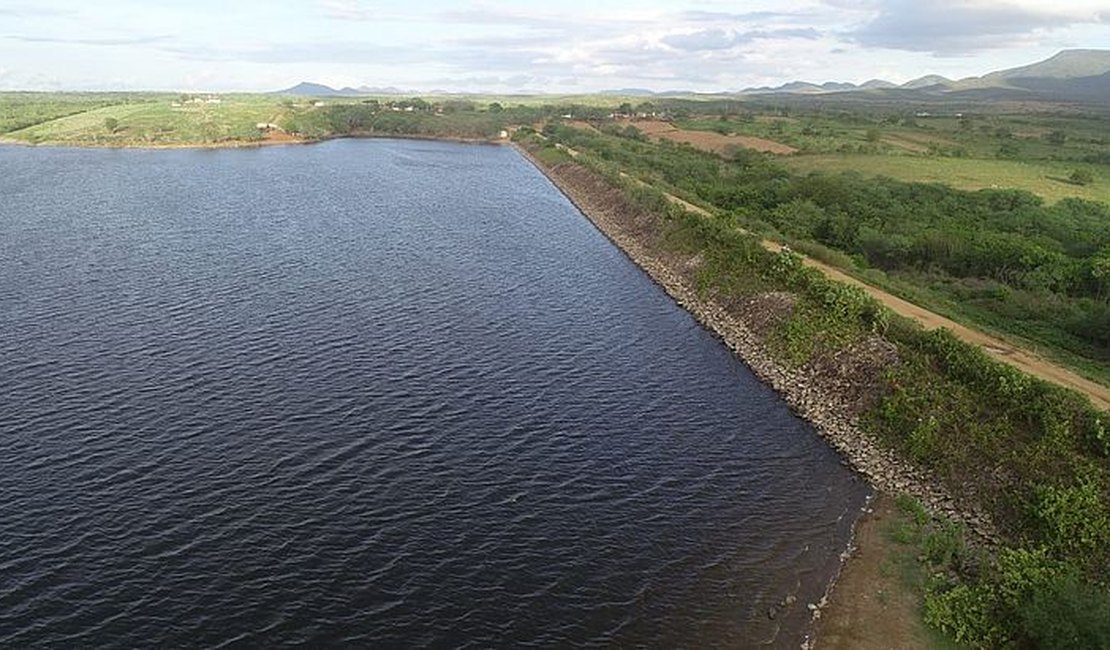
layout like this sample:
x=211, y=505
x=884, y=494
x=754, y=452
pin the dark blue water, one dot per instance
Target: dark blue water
x=379, y=393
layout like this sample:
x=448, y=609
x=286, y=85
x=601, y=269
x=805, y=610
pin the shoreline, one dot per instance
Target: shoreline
x=249, y=144
x=823, y=409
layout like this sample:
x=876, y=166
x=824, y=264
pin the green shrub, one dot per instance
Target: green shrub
x=1081, y=177
x=966, y=612
x=1066, y=615
x=1073, y=521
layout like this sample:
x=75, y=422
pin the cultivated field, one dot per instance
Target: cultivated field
x=708, y=140
x=1047, y=179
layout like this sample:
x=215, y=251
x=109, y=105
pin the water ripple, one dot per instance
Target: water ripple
x=375, y=393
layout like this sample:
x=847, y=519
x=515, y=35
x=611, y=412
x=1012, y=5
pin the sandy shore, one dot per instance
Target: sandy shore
x=872, y=608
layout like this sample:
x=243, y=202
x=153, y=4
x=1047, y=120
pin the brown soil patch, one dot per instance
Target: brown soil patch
x=870, y=607
x=856, y=372
x=708, y=140
x=583, y=125
x=274, y=135
x=767, y=310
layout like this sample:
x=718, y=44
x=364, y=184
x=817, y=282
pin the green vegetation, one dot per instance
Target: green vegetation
x=1035, y=153
x=1051, y=180
x=21, y=110
x=1022, y=597
x=151, y=119
x=409, y=117
x=147, y=120
x=1081, y=177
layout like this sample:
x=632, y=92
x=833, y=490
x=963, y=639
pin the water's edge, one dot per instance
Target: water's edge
x=745, y=346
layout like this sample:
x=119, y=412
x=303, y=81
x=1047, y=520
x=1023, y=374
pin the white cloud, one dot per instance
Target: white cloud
x=581, y=44
x=347, y=10
x=954, y=27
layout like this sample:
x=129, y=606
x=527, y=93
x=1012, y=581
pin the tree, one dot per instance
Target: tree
x=1081, y=177
x=1056, y=137
x=111, y=124
x=1100, y=272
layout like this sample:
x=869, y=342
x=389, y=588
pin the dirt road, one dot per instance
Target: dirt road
x=1001, y=350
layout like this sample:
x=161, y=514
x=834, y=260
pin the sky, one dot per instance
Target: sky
x=500, y=46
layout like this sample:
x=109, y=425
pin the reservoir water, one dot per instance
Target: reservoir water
x=377, y=393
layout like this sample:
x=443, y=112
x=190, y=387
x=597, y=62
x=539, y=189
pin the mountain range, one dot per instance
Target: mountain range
x=1066, y=65
x=309, y=89
x=1070, y=75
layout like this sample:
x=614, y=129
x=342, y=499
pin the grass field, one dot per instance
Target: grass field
x=1014, y=137
x=162, y=119
x=19, y=110
x=1047, y=179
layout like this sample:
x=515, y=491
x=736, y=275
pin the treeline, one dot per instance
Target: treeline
x=445, y=118
x=1041, y=271
x=415, y=117
x=1034, y=455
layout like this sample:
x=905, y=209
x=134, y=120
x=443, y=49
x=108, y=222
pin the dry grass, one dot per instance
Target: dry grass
x=709, y=140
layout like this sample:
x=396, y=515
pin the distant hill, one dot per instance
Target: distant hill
x=628, y=92
x=806, y=88
x=1093, y=89
x=309, y=89
x=1069, y=76
x=877, y=83
x=927, y=81
x=1068, y=64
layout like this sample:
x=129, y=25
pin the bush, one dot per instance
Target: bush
x=965, y=612
x=1081, y=177
x=1073, y=520
x=1067, y=614
x=1049, y=604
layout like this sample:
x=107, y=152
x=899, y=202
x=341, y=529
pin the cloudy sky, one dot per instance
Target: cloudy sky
x=502, y=45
